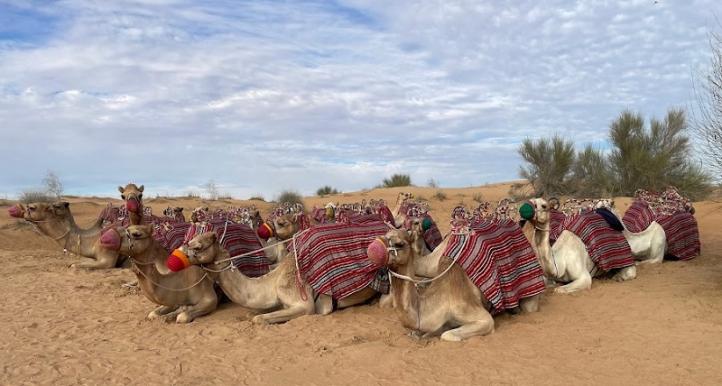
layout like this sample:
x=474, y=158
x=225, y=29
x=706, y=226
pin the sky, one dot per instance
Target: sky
x=263, y=96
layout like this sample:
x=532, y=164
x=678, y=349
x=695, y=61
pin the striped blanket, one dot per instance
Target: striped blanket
x=556, y=225
x=639, y=216
x=682, y=235
x=237, y=239
x=171, y=236
x=607, y=248
x=499, y=260
x=680, y=228
x=332, y=258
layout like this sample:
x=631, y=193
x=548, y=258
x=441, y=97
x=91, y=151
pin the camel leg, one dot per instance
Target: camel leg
x=204, y=307
x=161, y=311
x=476, y=322
x=104, y=260
x=324, y=305
x=530, y=304
x=386, y=301
x=626, y=273
x=357, y=298
x=283, y=315
x=584, y=281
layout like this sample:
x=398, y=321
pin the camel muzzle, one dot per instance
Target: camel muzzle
x=133, y=205
x=265, y=231
x=16, y=211
x=177, y=261
x=378, y=252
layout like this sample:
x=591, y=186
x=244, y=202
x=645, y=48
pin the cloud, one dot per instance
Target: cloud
x=262, y=95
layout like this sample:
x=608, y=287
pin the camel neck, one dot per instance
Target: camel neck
x=542, y=247
x=251, y=292
x=406, y=297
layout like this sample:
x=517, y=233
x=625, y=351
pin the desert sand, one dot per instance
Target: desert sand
x=61, y=325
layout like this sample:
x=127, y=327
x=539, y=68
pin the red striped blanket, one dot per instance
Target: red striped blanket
x=638, y=217
x=556, y=224
x=171, y=236
x=607, y=248
x=364, y=218
x=498, y=258
x=332, y=258
x=237, y=239
x=682, y=235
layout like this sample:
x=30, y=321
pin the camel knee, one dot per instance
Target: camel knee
x=324, y=305
x=626, y=273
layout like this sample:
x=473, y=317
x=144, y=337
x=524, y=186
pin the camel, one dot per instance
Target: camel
x=56, y=221
x=649, y=245
x=398, y=212
x=568, y=260
x=279, y=288
x=182, y=296
x=280, y=228
x=451, y=300
x=133, y=197
x=175, y=213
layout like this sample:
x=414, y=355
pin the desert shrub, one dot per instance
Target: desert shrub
x=326, y=190
x=478, y=197
x=257, y=198
x=53, y=185
x=290, y=196
x=592, y=176
x=191, y=195
x=440, y=195
x=707, y=125
x=432, y=183
x=397, y=180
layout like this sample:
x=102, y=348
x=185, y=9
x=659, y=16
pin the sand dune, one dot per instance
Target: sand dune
x=67, y=326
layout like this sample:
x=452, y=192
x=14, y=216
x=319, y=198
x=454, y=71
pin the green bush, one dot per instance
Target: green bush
x=290, y=196
x=326, y=190
x=397, y=180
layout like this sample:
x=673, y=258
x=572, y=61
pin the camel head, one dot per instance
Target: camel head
x=394, y=249
x=535, y=210
x=133, y=197
x=403, y=196
x=135, y=240
x=202, y=249
x=43, y=211
x=286, y=226
x=201, y=213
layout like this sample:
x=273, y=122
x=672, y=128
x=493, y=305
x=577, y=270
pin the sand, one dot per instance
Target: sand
x=66, y=326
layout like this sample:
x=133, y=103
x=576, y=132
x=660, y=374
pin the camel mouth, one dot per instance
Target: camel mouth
x=110, y=239
x=177, y=261
x=133, y=205
x=265, y=231
x=16, y=212
x=378, y=253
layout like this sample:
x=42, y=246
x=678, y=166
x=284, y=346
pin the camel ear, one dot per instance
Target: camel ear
x=120, y=189
x=214, y=237
x=140, y=188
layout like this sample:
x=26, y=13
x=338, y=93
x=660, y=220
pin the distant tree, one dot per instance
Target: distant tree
x=397, y=180
x=432, y=183
x=549, y=164
x=707, y=125
x=326, y=190
x=53, y=185
x=211, y=190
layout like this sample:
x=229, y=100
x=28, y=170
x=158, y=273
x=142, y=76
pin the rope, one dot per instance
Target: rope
x=299, y=280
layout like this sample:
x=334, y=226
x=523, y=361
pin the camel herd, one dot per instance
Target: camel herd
x=493, y=260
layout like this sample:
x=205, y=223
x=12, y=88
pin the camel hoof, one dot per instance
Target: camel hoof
x=560, y=290
x=183, y=317
x=153, y=316
x=450, y=337
x=259, y=319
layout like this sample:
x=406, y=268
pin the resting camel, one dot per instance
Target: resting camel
x=398, y=212
x=451, y=300
x=56, y=221
x=277, y=289
x=133, y=197
x=649, y=245
x=182, y=296
x=568, y=260
x=282, y=227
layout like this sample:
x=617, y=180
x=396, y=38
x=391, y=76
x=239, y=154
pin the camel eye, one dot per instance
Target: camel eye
x=544, y=206
x=122, y=196
x=140, y=196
